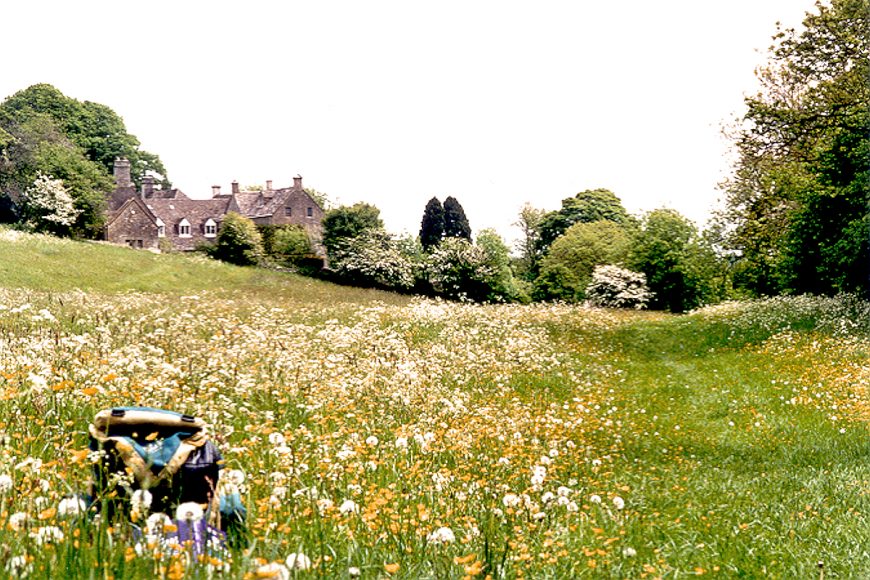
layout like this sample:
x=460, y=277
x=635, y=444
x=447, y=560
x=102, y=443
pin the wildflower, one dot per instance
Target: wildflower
x=18, y=520
x=18, y=566
x=47, y=535
x=353, y=572
x=401, y=443
x=566, y=491
x=348, y=506
x=141, y=500
x=324, y=504
x=276, y=439
x=5, y=483
x=298, y=561
x=595, y=498
x=372, y=441
x=548, y=497
x=511, y=500
x=629, y=552
x=71, y=507
x=189, y=511
x=157, y=523
x=442, y=536
x=618, y=502
x=236, y=476
x=273, y=571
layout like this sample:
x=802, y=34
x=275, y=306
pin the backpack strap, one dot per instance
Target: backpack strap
x=188, y=434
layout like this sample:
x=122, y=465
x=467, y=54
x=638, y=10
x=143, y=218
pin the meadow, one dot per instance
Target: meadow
x=374, y=435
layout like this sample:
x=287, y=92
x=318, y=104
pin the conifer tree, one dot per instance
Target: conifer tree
x=432, y=226
x=455, y=223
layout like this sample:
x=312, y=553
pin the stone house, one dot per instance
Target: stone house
x=163, y=219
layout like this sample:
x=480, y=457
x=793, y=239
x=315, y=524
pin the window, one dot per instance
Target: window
x=184, y=228
x=210, y=228
x=161, y=228
x=309, y=212
x=288, y=211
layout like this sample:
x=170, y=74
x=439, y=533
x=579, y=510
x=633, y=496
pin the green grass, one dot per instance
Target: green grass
x=737, y=436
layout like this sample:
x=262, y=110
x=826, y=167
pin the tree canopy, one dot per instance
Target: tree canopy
x=797, y=203
x=344, y=223
x=432, y=224
x=587, y=206
x=455, y=223
x=43, y=132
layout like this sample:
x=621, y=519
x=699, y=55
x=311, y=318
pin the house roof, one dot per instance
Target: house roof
x=133, y=201
x=197, y=211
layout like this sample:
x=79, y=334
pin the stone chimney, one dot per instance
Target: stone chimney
x=215, y=190
x=147, y=186
x=235, y=186
x=268, y=185
x=121, y=172
x=297, y=182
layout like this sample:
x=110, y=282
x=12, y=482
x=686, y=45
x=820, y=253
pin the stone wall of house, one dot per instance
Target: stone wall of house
x=298, y=208
x=133, y=228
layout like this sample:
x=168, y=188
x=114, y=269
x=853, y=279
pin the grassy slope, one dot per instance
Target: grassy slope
x=49, y=264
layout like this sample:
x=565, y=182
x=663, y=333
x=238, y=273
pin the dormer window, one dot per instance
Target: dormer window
x=161, y=228
x=210, y=228
x=184, y=228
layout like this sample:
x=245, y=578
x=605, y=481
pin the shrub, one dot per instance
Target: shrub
x=239, y=241
x=615, y=287
x=374, y=258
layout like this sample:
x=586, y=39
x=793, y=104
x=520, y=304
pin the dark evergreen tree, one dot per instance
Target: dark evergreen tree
x=432, y=226
x=455, y=222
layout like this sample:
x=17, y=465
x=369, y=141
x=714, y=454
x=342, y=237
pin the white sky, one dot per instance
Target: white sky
x=496, y=103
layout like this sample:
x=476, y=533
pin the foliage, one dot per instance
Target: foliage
x=529, y=245
x=43, y=131
x=797, y=202
x=432, y=224
x=615, y=287
x=503, y=285
x=344, y=223
x=238, y=242
x=48, y=207
x=460, y=270
x=587, y=206
x=679, y=265
x=373, y=258
x=455, y=223
x=93, y=127
x=291, y=245
x=567, y=268
x=320, y=198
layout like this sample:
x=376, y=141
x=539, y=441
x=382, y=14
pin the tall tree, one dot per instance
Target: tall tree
x=797, y=210
x=43, y=131
x=432, y=224
x=529, y=246
x=455, y=223
x=587, y=206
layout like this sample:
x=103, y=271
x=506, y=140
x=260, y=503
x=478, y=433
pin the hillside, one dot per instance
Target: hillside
x=383, y=436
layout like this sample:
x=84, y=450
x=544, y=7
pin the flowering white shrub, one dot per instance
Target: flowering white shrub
x=460, y=270
x=374, y=257
x=49, y=205
x=615, y=287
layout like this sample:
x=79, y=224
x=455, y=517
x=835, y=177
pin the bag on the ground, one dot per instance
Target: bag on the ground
x=165, y=453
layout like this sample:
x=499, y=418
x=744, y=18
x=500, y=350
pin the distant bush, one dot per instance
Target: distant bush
x=239, y=242
x=615, y=287
x=373, y=258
